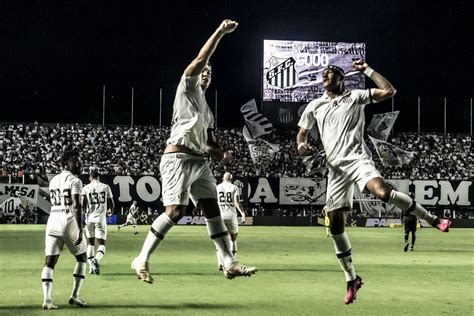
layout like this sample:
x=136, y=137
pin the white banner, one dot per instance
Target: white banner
x=302, y=191
x=15, y=196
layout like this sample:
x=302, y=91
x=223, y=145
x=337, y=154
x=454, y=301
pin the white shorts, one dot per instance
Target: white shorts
x=131, y=221
x=186, y=176
x=341, y=180
x=96, y=230
x=62, y=229
x=232, y=224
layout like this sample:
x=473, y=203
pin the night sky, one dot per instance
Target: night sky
x=55, y=56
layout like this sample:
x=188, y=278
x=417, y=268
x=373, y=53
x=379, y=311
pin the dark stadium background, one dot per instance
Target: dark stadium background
x=55, y=56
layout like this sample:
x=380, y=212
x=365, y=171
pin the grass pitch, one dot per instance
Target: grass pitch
x=299, y=274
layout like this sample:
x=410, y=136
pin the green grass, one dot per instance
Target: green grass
x=299, y=274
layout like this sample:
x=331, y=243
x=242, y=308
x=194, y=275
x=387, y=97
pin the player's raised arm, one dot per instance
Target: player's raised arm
x=384, y=90
x=202, y=59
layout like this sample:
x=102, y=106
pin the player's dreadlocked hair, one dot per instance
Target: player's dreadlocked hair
x=68, y=154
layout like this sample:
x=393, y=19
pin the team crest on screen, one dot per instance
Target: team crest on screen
x=282, y=75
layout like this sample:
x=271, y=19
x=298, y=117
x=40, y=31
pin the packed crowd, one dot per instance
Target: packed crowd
x=124, y=150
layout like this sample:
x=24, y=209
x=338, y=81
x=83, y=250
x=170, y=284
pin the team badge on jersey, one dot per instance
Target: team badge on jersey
x=283, y=75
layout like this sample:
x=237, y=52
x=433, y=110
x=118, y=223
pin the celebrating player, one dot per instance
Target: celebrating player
x=96, y=200
x=229, y=200
x=339, y=116
x=65, y=227
x=184, y=170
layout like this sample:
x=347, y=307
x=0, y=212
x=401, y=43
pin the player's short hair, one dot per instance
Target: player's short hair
x=338, y=70
x=94, y=174
x=68, y=155
x=227, y=176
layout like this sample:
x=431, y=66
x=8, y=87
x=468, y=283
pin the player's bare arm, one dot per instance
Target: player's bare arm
x=304, y=148
x=384, y=90
x=239, y=207
x=214, y=150
x=76, y=208
x=110, y=205
x=202, y=59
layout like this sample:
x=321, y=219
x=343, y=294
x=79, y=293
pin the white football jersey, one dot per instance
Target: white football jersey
x=226, y=193
x=191, y=115
x=97, y=194
x=61, y=189
x=132, y=212
x=341, y=124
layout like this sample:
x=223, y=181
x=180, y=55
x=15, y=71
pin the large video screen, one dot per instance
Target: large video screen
x=292, y=69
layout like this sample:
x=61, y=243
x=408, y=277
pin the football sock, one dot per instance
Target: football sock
x=342, y=245
x=407, y=204
x=47, y=283
x=78, y=278
x=161, y=225
x=100, y=252
x=234, y=248
x=90, y=254
x=220, y=237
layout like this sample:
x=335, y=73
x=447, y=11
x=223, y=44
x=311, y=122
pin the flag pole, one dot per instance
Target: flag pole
x=419, y=121
x=103, y=106
x=131, y=123
x=215, y=109
x=161, y=104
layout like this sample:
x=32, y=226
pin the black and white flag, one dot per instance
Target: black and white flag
x=382, y=124
x=391, y=155
x=257, y=124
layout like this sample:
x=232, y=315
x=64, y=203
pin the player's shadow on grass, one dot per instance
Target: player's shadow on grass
x=203, y=306
x=316, y=270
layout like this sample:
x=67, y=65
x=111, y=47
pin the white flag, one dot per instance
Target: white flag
x=382, y=124
x=261, y=151
x=391, y=155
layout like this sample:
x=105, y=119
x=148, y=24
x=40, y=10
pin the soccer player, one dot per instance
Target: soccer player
x=131, y=218
x=97, y=200
x=65, y=227
x=229, y=200
x=409, y=223
x=184, y=171
x=339, y=116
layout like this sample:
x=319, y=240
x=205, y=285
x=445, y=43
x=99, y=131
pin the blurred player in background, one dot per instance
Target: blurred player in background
x=131, y=218
x=228, y=198
x=326, y=221
x=65, y=227
x=409, y=223
x=97, y=200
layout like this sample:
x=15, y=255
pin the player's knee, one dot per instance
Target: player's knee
x=101, y=242
x=91, y=241
x=50, y=261
x=383, y=193
x=175, y=213
x=233, y=237
x=81, y=257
